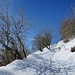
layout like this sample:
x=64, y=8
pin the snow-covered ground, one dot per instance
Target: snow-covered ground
x=57, y=61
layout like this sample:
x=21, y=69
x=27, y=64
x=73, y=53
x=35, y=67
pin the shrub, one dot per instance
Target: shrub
x=66, y=40
x=73, y=49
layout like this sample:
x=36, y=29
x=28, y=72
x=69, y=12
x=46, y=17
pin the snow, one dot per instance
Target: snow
x=57, y=61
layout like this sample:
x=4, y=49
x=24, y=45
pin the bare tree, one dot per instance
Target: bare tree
x=43, y=39
x=13, y=32
x=67, y=28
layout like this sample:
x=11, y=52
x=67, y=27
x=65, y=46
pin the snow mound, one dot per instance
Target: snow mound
x=57, y=61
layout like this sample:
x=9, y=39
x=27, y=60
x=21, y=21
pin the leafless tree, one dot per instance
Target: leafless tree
x=43, y=39
x=13, y=32
x=67, y=28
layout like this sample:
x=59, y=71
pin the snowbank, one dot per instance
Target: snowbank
x=57, y=61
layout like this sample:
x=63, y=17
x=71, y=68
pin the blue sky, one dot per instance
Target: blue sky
x=47, y=12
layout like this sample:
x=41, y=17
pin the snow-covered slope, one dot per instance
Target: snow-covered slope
x=57, y=61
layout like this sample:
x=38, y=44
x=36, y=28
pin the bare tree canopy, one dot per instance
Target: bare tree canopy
x=13, y=32
x=67, y=28
x=42, y=39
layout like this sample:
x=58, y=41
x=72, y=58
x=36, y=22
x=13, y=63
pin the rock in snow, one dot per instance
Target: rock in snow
x=57, y=61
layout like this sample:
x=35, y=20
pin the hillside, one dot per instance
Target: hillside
x=57, y=61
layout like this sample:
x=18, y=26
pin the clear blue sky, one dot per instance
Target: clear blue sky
x=48, y=12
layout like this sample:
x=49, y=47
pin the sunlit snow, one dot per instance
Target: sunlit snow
x=49, y=62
